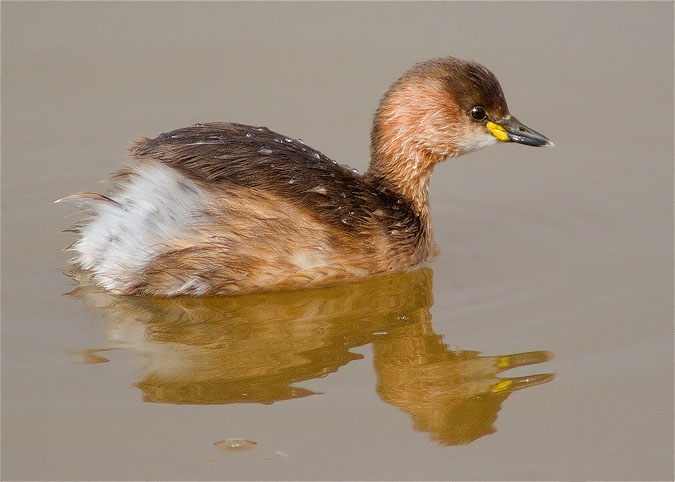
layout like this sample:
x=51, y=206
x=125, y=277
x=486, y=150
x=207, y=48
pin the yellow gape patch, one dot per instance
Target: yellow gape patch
x=498, y=131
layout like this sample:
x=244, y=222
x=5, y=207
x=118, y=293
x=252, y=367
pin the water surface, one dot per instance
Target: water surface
x=537, y=345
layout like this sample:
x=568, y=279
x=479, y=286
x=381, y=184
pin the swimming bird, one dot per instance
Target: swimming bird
x=223, y=208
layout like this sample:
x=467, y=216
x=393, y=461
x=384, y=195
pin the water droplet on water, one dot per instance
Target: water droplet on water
x=277, y=140
x=291, y=181
x=248, y=134
x=300, y=141
x=264, y=150
x=344, y=221
x=288, y=139
x=317, y=155
x=235, y=444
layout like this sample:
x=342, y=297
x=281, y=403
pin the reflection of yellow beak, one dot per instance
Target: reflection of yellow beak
x=501, y=386
x=498, y=131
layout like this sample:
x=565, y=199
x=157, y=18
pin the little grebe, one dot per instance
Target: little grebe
x=226, y=208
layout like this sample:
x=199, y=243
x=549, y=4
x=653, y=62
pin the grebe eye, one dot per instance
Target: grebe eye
x=478, y=113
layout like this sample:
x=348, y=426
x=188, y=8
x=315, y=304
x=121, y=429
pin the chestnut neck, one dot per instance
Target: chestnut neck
x=415, y=127
x=405, y=174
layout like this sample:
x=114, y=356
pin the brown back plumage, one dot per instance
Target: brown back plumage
x=227, y=155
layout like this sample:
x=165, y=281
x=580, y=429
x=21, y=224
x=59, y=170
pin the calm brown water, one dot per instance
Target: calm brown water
x=538, y=345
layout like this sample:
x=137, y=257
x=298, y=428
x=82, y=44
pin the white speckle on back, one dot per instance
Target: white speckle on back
x=318, y=189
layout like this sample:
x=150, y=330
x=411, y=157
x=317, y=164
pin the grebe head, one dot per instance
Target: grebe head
x=438, y=109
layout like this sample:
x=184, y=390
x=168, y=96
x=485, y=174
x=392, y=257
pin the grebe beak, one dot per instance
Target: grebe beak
x=512, y=130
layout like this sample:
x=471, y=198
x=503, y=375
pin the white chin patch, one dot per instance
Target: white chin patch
x=477, y=141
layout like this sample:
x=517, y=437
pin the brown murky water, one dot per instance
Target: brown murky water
x=538, y=345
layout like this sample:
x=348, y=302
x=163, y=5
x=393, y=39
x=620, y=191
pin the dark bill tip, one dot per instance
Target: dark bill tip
x=520, y=133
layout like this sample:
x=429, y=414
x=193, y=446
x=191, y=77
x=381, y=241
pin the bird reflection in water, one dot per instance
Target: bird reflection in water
x=256, y=347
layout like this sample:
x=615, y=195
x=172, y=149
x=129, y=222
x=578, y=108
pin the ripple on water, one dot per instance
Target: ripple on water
x=235, y=444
